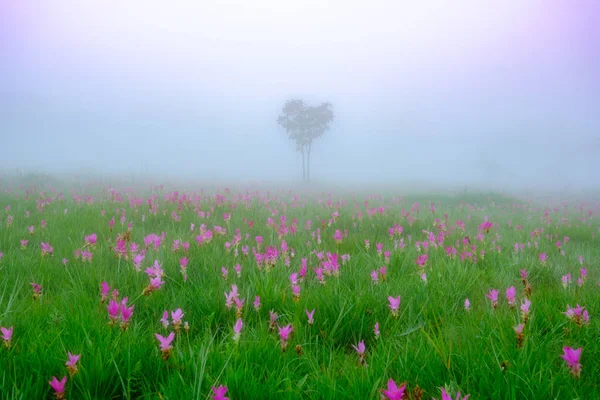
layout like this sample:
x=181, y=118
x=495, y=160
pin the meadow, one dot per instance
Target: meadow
x=153, y=293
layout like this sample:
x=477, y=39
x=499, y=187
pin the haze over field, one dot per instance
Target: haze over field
x=502, y=93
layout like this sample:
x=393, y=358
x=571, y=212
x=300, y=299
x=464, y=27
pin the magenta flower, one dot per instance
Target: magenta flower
x=257, y=303
x=467, y=305
x=58, y=387
x=219, y=393
x=394, y=305
x=376, y=330
x=237, y=329
x=104, y=290
x=7, y=334
x=126, y=313
x=37, y=290
x=91, y=239
x=572, y=357
x=525, y=309
x=337, y=236
x=165, y=344
x=72, y=363
x=46, y=249
x=360, y=349
x=114, y=310
x=543, y=258
x=165, y=319
x=422, y=260
x=284, y=334
x=176, y=316
x=394, y=392
x=493, y=296
x=310, y=316
x=511, y=294
x=446, y=396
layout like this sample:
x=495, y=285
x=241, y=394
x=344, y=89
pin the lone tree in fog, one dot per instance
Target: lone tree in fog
x=303, y=124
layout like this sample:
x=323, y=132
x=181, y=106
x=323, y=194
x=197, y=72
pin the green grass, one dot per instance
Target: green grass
x=434, y=342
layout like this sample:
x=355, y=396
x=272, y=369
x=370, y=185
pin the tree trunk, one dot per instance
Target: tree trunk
x=303, y=168
x=308, y=162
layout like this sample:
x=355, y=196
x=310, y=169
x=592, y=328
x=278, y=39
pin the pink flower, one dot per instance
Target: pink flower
x=46, y=249
x=394, y=392
x=176, y=317
x=219, y=393
x=58, y=387
x=375, y=276
x=360, y=349
x=394, y=305
x=237, y=329
x=284, y=334
x=72, y=363
x=493, y=296
x=337, y=236
x=511, y=294
x=165, y=344
x=446, y=396
x=467, y=305
x=572, y=358
x=7, y=334
x=257, y=303
x=114, y=310
x=422, y=260
x=310, y=316
x=376, y=330
x=525, y=309
x=543, y=258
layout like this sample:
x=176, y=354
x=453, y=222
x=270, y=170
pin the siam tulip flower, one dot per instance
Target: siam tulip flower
x=423, y=277
x=511, y=294
x=46, y=249
x=376, y=330
x=572, y=357
x=72, y=363
x=422, y=260
x=394, y=305
x=104, y=290
x=219, y=393
x=58, y=387
x=525, y=310
x=176, y=317
x=337, y=236
x=296, y=292
x=543, y=258
x=360, y=349
x=446, y=396
x=126, y=313
x=65, y=261
x=237, y=329
x=284, y=334
x=43, y=224
x=31, y=230
x=239, y=305
x=238, y=270
x=257, y=303
x=375, y=276
x=467, y=305
x=165, y=319
x=114, y=310
x=383, y=272
x=386, y=256
x=137, y=261
x=583, y=273
x=493, y=296
x=566, y=280
x=394, y=392
x=37, y=290
x=24, y=244
x=310, y=315
x=272, y=319
x=165, y=344
x=367, y=244
x=520, y=337
x=580, y=260
x=578, y=314
x=91, y=240
x=7, y=334
x=224, y=273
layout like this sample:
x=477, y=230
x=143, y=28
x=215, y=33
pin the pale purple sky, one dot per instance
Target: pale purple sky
x=204, y=80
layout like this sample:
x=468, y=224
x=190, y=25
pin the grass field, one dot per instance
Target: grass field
x=313, y=256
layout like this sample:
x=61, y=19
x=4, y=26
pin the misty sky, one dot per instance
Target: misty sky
x=456, y=91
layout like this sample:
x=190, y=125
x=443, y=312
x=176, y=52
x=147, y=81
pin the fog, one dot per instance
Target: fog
x=504, y=94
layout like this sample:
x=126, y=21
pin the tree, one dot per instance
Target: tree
x=303, y=124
